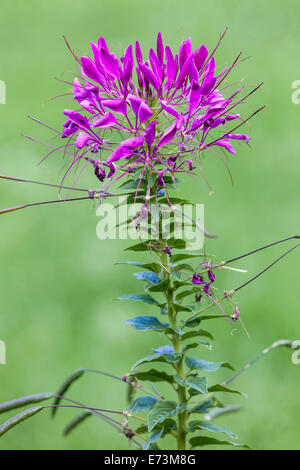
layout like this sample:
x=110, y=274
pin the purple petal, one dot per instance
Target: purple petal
x=107, y=120
x=125, y=149
x=226, y=144
x=144, y=112
x=149, y=76
x=118, y=106
x=135, y=103
x=171, y=66
x=168, y=135
x=200, y=56
x=82, y=140
x=90, y=70
x=149, y=133
x=111, y=64
x=138, y=52
x=194, y=96
x=155, y=65
x=128, y=65
x=160, y=48
x=238, y=137
x=185, y=51
x=169, y=109
x=78, y=119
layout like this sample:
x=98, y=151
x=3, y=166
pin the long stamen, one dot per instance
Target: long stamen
x=260, y=249
x=266, y=269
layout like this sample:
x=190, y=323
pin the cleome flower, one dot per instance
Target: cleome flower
x=154, y=114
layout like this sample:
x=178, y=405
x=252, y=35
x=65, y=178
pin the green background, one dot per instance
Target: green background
x=58, y=281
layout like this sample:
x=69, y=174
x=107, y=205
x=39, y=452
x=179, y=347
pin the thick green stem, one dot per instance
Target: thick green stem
x=177, y=345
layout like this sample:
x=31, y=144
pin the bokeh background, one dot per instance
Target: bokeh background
x=59, y=282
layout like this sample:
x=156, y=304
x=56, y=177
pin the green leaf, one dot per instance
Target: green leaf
x=79, y=419
x=194, y=334
x=210, y=441
x=150, y=277
x=197, y=383
x=194, y=363
x=143, y=246
x=158, y=357
x=196, y=320
x=153, y=438
x=147, y=323
x=155, y=267
x=143, y=403
x=19, y=418
x=76, y=374
x=221, y=388
x=161, y=411
x=204, y=407
x=153, y=375
x=139, y=298
x=185, y=293
x=19, y=402
x=161, y=287
x=181, y=256
x=195, y=425
x=218, y=411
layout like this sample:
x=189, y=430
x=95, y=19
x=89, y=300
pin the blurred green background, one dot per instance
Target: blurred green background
x=58, y=281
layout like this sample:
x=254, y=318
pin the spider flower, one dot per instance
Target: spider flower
x=154, y=113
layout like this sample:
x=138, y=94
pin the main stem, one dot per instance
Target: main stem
x=177, y=345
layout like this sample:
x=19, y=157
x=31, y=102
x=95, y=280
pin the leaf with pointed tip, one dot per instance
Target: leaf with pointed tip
x=185, y=293
x=194, y=334
x=143, y=403
x=79, y=419
x=194, y=363
x=155, y=267
x=218, y=411
x=221, y=388
x=19, y=418
x=150, y=277
x=158, y=357
x=154, y=376
x=161, y=287
x=196, y=320
x=201, y=441
x=195, y=425
x=182, y=256
x=197, y=383
x=23, y=401
x=76, y=374
x=147, y=323
x=148, y=299
x=161, y=411
x=153, y=438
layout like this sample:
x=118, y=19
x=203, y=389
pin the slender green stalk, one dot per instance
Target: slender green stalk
x=177, y=345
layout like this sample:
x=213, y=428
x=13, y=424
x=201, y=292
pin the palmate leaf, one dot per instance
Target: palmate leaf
x=194, y=363
x=161, y=411
x=23, y=401
x=19, y=418
x=201, y=441
x=143, y=323
x=76, y=421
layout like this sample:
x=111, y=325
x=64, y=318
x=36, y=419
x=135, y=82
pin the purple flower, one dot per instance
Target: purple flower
x=165, y=108
x=236, y=314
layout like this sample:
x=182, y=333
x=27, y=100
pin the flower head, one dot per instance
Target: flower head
x=154, y=113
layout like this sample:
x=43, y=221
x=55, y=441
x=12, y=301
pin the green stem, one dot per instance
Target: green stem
x=177, y=345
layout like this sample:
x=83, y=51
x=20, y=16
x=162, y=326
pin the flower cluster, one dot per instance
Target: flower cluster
x=152, y=114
